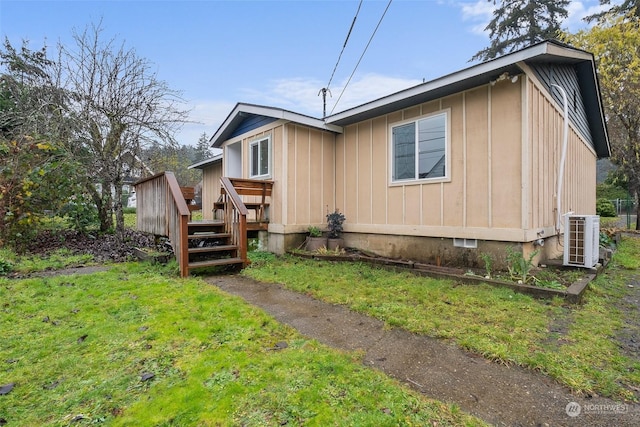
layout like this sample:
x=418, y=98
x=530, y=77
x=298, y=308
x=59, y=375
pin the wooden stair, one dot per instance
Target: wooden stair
x=208, y=246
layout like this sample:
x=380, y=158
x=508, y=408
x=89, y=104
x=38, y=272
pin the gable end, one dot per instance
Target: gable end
x=250, y=122
x=566, y=76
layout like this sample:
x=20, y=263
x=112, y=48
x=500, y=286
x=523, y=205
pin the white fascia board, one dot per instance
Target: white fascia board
x=568, y=52
x=279, y=113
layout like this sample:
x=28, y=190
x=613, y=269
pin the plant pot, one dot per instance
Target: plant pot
x=333, y=244
x=315, y=243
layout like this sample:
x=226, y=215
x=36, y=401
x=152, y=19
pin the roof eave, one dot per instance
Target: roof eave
x=454, y=82
x=225, y=130
x=206, y=162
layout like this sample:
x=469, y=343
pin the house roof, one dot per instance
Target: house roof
x=206, y=162
x=250, y=116
x=550, y=51
x=245, y=117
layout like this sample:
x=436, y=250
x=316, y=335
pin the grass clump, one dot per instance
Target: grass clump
x=497, y=323
x=134, y=346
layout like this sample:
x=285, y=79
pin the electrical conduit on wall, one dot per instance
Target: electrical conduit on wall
x=565, y=138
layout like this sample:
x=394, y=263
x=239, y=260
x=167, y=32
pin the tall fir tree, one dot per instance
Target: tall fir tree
x=626, y=8
x=520, y=23
x=203, y=149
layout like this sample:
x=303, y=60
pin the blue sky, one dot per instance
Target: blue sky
x=276, y=53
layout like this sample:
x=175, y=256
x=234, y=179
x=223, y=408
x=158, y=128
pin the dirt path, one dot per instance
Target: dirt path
x=500, y=395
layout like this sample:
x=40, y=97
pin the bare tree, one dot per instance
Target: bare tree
x=120, y=106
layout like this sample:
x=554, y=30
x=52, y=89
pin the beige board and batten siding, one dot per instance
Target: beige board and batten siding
x=211, y=175
x=309, y=177
x=545, y=123
x=480, y=197
x=302, y=168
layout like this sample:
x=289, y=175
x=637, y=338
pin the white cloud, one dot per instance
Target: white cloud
x=479, y=13
x=302, y=95
x=205, y=117
x=368, y=88
x=578, y=11
x=297, y=94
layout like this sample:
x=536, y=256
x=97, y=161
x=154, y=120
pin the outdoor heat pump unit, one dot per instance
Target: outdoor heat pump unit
x=581, y=240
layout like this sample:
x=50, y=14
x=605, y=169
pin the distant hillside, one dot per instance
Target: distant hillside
x=603, y=167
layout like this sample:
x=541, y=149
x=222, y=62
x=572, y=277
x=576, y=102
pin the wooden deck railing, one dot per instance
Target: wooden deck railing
x=162, y=210
x=259, y=189
x=235, y=218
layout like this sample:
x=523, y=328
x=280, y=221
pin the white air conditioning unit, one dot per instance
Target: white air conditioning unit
x=581, y=240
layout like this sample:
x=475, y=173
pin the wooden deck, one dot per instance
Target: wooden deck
x=165, y=209
x=252, y=225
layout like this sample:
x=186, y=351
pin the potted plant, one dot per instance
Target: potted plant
x=315, y=240
x=334, y=225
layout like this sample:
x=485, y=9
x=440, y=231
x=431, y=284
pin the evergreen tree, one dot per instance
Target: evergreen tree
x=627, y=7
x=203, y=149
x=162, y=157
x=521, y=23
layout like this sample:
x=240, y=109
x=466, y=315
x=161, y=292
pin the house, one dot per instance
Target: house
x=465, y=164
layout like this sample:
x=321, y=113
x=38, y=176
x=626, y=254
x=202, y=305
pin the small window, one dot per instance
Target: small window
x=465, y=243
x=260, y=152
x=419, y=149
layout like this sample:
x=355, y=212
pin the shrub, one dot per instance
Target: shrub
x=334, y=224
x=314, y=232
x=80, y=213
x=605, y=208
x=5, y=267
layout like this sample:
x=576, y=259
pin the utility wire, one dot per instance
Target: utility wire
x=361, y=56
x=326, y=89
x=344, y=45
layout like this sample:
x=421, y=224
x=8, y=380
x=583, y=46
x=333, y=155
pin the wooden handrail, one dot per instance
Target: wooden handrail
x=256, y=188
x=162, y=210
x=235, y=218
x=231, y=191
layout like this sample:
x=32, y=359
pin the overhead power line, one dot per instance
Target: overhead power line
x=324, y=90
x=345, y=44
x=361, y=56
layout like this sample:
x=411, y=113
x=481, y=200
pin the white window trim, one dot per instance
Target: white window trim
x=269, y=160
x=447, y=175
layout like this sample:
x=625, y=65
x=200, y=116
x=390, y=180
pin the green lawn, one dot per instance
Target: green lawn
x=573, y=344
x=78, y=348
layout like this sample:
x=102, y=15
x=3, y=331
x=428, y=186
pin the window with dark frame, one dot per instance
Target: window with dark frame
x=419, y=148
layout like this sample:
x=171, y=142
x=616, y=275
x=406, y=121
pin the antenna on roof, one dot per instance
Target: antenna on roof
x=324, y=91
